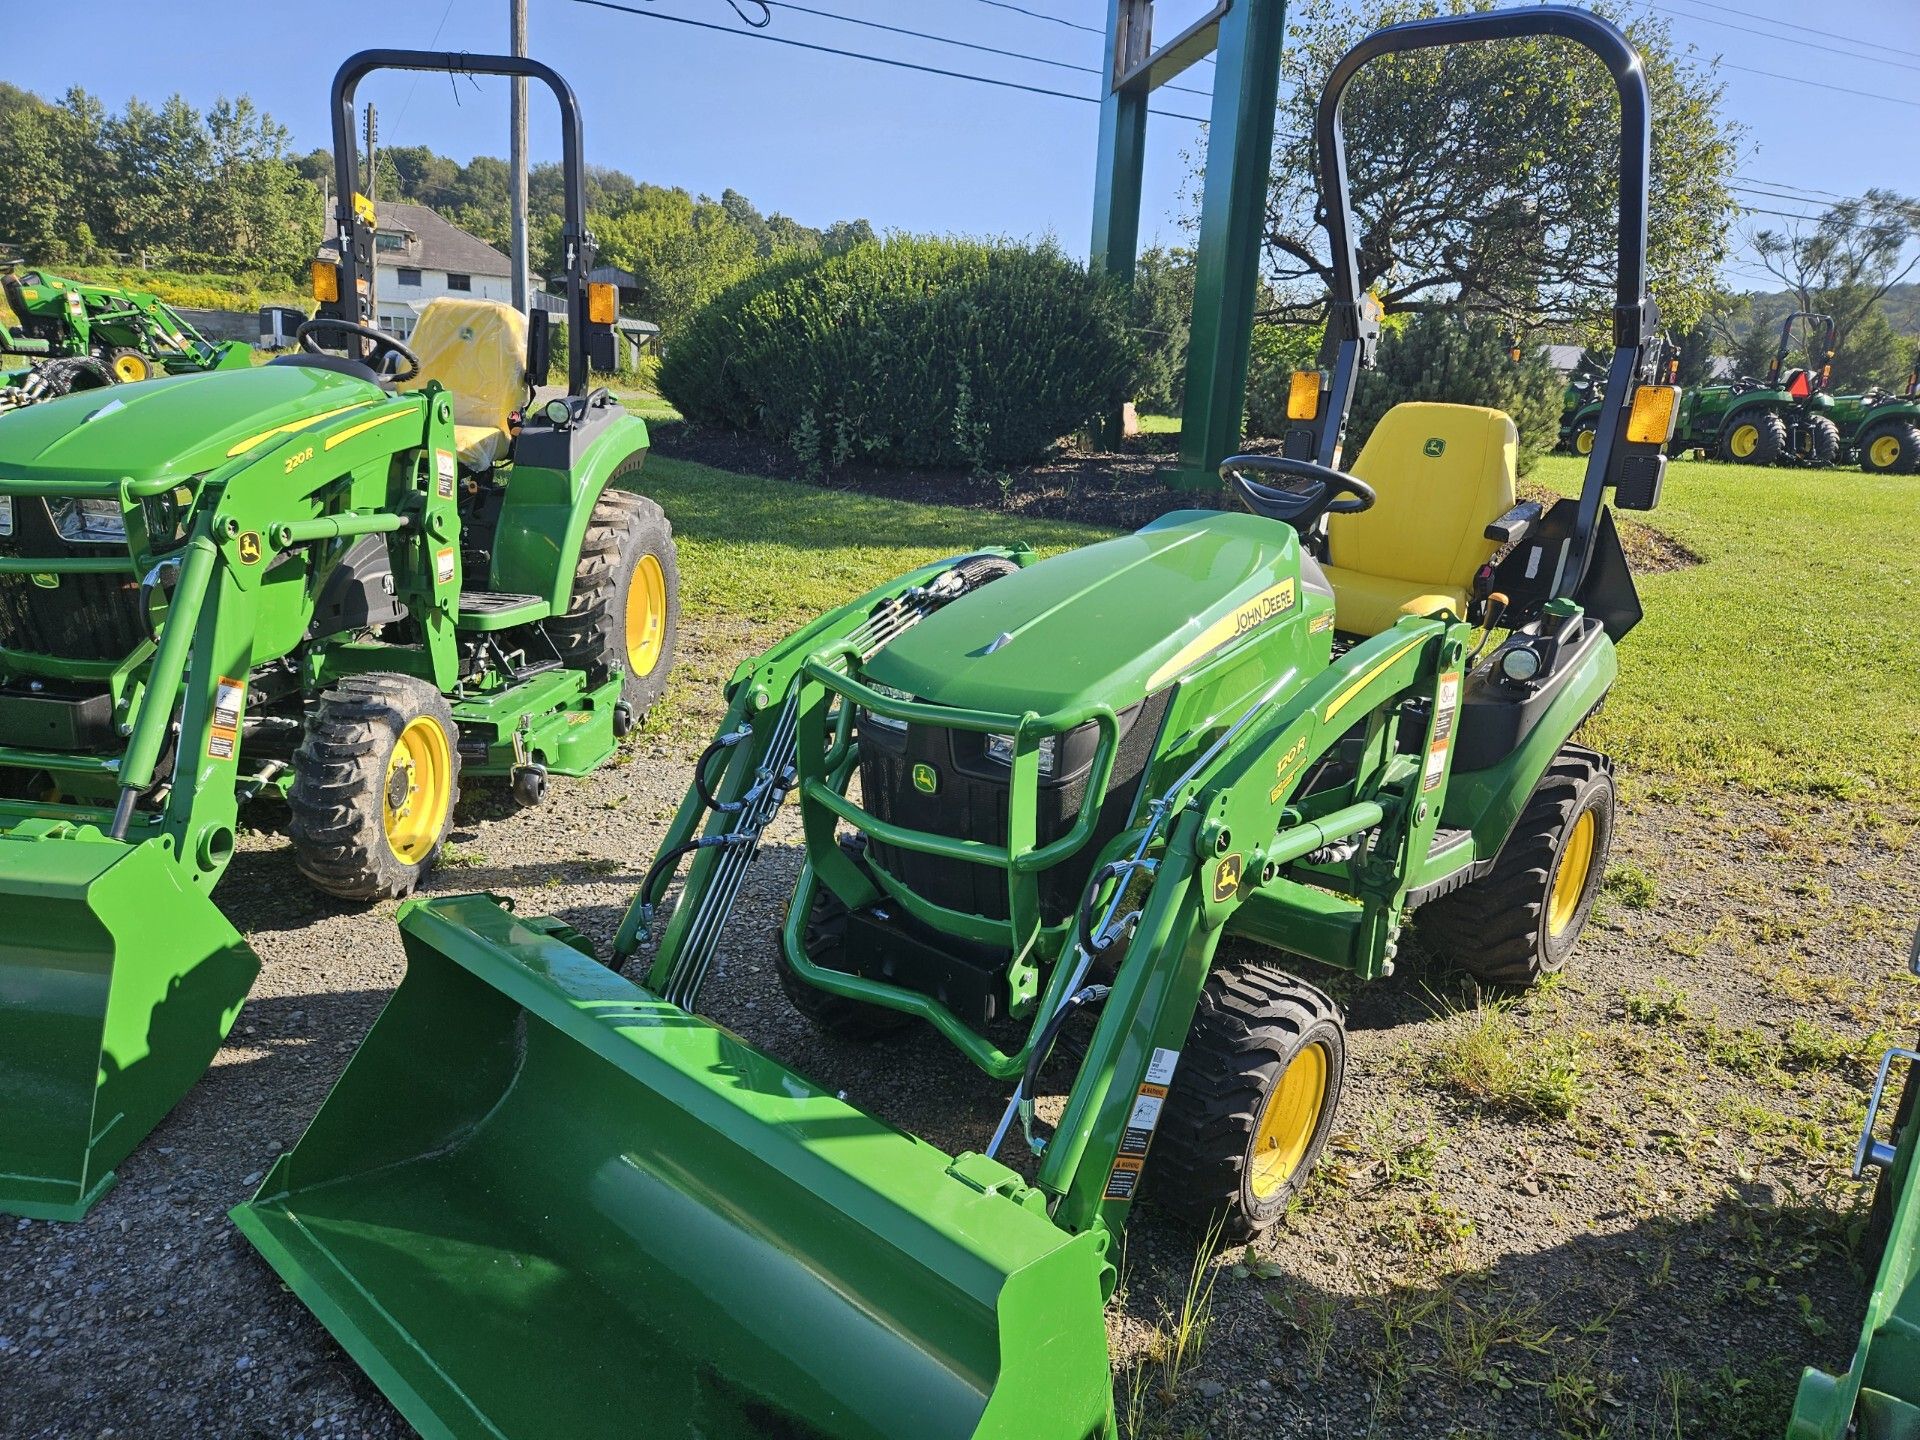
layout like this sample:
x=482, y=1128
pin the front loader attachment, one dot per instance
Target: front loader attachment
x=118, y=981
x=543, y=1202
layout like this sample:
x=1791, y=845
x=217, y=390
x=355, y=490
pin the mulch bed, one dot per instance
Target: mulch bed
x=1122, y=488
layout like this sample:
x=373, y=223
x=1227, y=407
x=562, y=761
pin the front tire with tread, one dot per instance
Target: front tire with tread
x=1901, y=455
x=1249, y=1028
x=1770, y=441
x=340, y=777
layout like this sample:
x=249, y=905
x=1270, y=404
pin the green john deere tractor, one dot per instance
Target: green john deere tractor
x=1881, y=429
x=1783, y=419
x=1580, y=406
x=1878, y=1398
x=133, y=334
x=350, y=579
x=1075, y=776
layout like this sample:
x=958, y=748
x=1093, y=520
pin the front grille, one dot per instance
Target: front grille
x=76, y=616
x=83, y=617
x=971, y=804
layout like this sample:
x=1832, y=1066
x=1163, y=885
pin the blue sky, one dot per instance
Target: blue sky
x=823, y=138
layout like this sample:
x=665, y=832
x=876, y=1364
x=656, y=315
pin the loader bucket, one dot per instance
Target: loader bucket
x=542, y=1202
x=118, y=981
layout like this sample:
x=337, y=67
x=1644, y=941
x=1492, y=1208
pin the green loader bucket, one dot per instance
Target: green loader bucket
x=117, y=984
x=542, y=1202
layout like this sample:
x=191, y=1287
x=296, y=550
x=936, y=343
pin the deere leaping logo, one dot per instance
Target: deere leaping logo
x=248, y=547
x=926, y=779
x=1435, y=446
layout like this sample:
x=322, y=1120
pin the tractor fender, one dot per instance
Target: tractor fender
x=1488, y=801
x=557, y=478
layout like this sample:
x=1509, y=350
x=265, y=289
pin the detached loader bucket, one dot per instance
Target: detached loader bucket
x=543, y=1203
x=117, y=984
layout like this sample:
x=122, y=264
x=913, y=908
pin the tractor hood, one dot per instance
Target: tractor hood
x=180, y=427
x=1111, y=622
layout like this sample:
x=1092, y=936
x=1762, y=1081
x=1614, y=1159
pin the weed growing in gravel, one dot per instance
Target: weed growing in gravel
x=1189, y=1326
x=1496, y=1063
x=1664, y=1004
x=1630, y=886
x=1815, y=1047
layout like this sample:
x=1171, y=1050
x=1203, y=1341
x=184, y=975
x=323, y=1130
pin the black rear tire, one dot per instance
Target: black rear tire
x=1891, y=450
x=1769, y=438
x=626, y=597
x=350, y=835
x=1522, y=919
x=825, y=939
x=1234, y=1144
x=1822, y=442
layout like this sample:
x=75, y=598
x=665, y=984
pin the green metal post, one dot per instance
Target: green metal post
x=1116, y=186
x=1232, y=214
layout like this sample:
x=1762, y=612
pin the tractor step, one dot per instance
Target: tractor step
x=499, y=610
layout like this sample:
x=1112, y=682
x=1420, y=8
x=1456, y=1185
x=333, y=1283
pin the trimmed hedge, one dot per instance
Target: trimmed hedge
x=908, y=351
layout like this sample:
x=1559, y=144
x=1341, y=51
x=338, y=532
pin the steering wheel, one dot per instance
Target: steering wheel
x=386, y=350
x=1301, y=509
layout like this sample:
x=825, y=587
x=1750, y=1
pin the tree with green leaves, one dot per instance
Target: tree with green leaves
x=1482, y=176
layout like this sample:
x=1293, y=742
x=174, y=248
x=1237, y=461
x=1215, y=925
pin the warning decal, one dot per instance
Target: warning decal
x=443, y=566
x=444, y=463
x=229, y=703
x=1148, y=1102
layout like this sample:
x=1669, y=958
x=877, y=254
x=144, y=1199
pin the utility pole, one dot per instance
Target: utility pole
x=517, y=162
x=373, y=269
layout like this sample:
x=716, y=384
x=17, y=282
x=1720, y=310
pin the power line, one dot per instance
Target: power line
x=1804, y=29
x=863, y=55
x=1789, y=185
x=1041, y=15
x=963, y=44
x=416, y=74
x=1818, y=84
x=1781, y=39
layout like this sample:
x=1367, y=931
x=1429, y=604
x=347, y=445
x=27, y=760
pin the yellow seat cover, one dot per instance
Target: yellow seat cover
x=477, y=349
x=1440, y=475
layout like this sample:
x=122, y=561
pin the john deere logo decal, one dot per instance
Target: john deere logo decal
x=1226, y=878
x=1435, y=446
x=249, y=547
x=926, y=779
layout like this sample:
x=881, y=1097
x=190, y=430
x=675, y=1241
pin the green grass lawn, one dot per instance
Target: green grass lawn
x=1785, y=662
x=1788, y=661
x=1159, y=424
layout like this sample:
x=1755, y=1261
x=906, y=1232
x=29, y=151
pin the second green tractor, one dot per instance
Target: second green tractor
x=1035, y=796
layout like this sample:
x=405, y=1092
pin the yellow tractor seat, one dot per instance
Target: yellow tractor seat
x=1440, y=474
x=477, y=349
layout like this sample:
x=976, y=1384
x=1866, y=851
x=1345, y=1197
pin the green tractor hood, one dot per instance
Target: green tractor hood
x=182, y=426
x=1112, y=622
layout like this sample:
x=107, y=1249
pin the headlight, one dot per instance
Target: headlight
x=1520, y=664
x=168, y=516
x=89, y=522
x=6, y=514
x=885, y=722
x=1000, y=748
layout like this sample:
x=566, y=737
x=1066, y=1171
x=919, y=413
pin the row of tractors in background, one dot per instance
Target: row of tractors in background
x=74, y=336
x=1788, y=417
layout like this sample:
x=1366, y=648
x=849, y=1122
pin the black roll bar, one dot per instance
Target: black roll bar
x=1635, y=317
x=576, y=242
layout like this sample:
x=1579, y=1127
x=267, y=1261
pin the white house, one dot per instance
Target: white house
x=418, y=254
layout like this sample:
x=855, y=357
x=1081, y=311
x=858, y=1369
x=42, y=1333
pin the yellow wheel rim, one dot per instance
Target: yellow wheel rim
x=128, y=368
x=1744, y=441
x=1288, y=1122
x=1583, y=442
x=646, y=615
x=1570, y=877
x=1884, y=452
x=419, y=790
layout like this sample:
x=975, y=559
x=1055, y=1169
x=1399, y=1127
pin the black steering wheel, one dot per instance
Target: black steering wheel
x=388, y=353
x=1301, y=509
